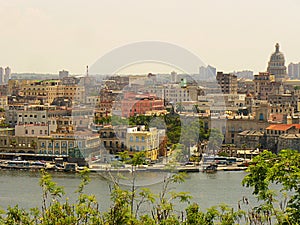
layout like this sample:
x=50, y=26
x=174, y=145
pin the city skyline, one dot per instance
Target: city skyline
x=46, y=37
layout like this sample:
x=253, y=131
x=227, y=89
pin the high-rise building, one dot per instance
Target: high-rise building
x=173, y=77
x=208, y=72
x=7, y=75
x=227, y=82
x=294, y=70
x=63, y=73
x=1, y=75
x=276, y=65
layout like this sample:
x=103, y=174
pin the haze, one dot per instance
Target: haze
x=47, y=36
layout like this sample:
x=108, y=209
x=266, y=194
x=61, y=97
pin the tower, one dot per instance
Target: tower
x=7, y=75
x=1, y=75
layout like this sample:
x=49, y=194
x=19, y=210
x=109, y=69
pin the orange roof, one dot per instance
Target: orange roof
x=282, y=127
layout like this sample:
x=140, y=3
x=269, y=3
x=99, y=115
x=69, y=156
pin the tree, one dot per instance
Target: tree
x=282, y=169
x=179, y=107
x=215, y=139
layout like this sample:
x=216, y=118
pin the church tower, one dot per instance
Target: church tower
x=276, y=65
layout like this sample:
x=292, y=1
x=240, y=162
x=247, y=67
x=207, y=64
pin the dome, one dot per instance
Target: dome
x=276, y=65
x=277, y=55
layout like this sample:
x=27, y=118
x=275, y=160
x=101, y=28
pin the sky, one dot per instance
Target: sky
x=48, y=36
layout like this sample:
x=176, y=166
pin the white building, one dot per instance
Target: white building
x=7, y=75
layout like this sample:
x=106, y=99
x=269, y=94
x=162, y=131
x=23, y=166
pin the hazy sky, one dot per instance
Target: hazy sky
x=48, y=36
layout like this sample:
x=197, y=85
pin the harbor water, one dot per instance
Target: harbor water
x=22, y=187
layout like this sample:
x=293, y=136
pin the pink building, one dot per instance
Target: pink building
x=137, y=104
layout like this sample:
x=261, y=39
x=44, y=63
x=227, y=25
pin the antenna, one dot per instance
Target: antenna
x=87, y=71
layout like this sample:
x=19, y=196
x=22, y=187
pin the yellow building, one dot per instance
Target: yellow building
x=139, y=139
x=48, y=90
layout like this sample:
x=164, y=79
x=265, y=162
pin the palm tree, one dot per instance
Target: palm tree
x=195, y=108
x=179, y=107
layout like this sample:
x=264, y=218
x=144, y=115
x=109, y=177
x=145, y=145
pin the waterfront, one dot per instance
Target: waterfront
x=22, y=187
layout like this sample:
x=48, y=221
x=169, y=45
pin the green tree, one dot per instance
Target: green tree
x=215, y=139
x=283, y=169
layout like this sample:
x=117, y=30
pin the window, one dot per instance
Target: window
x=32, y=131
x=143, y=139
x=41, y=132
x=137, y=139
x=26, y=131
x=131, y=139
x=46, y=132
x=261, y=116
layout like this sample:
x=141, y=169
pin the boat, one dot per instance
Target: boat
x=22, y=164
x=211, y=168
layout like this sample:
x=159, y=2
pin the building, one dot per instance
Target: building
x=3, y=101
x=281, y=136
x=250, y=139
x=246, y=74
x=176, y=93
x=264, y=83
x=46, y=91
x=113, y=138
x=139, y=139
x=63, y=73
x=7, y=75
x=208, y=72
x=294, y=70
x=1, y=75
x=276, y=65
x=139, y=104
x=227, y=82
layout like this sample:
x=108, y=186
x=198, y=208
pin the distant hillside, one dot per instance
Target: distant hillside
x=33, y=76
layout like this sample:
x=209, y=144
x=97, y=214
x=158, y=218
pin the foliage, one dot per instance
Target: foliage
x=283, y=169
x=126, y=204
x=215, y=139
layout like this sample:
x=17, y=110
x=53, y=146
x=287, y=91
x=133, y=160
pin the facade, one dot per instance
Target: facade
x=250, y=139
x=246, y=74
x=138, y=139
x=208, y=72
x=3, y=101
x=276, y=65
x=1, y=75
x=264, y=83
x=176, y=93
x=113, y=138
x=137, y=104
x=62, y=74
x=294, y=70
x=48, y=90
x=227, y=82
x=7, y=75
x=280, y=136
